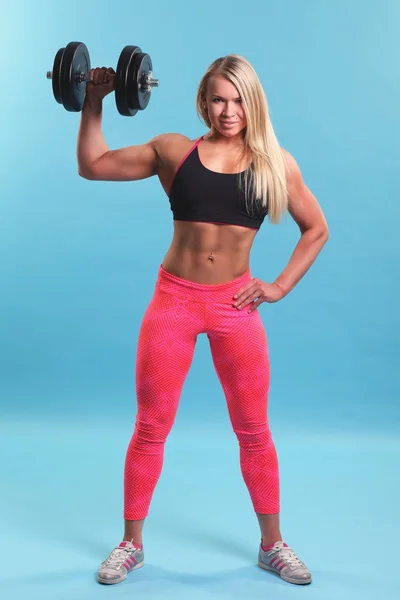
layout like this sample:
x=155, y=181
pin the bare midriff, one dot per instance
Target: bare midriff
x=209, y=253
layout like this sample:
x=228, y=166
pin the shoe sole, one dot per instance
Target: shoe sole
x=108, y=582
x=288, y=579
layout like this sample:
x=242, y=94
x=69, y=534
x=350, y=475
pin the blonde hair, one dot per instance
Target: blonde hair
x=267, y=176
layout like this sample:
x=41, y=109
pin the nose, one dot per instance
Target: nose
x=229, y=109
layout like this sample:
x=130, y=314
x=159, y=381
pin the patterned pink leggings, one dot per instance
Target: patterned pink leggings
x=177, y=313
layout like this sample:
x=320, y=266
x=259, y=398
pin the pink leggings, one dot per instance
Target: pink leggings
x=177, y=313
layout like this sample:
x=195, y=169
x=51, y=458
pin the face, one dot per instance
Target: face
x=224, y=106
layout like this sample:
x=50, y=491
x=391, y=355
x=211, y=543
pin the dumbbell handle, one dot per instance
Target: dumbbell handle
x=150, y=82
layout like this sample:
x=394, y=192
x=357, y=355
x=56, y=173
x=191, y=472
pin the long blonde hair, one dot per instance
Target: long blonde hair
x=267, y=177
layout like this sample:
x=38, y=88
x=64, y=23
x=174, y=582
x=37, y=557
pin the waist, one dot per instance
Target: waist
x=211, y=267
x=200, y=292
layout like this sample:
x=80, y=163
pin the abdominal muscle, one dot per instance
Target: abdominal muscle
x=208, y=253
x=205, y=253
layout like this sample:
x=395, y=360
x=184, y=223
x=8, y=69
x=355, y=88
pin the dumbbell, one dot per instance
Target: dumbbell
x=133, y=85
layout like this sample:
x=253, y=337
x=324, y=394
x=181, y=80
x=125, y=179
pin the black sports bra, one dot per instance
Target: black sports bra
x=198, y=194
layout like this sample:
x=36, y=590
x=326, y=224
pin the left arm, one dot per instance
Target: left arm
x=306, y=212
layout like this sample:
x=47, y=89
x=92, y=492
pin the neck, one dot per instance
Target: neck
x=216, y=137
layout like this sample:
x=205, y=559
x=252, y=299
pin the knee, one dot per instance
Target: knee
x=152, y=430
x=254, y=437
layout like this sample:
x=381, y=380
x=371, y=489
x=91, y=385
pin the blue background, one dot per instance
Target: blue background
x=78, y=265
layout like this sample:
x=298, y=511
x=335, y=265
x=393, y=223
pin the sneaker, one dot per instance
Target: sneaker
x=124, y=558
x=282, y=560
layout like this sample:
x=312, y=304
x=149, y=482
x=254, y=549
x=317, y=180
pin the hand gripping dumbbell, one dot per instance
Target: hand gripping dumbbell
x=133, y=85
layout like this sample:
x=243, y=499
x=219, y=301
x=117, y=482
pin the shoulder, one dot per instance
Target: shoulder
x=170, y=137
x=293, y=173
x=172, y=146
x=166, y=140
x=291, y=165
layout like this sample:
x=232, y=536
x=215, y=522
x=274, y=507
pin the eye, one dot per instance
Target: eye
x=239, y=101
x=216, y=99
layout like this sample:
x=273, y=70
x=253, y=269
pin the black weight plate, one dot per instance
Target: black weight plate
x=75, y=60
x=121, y=85
x=138, y=96
x=56, y=75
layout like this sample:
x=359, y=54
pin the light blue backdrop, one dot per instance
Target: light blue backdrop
x=79, y=259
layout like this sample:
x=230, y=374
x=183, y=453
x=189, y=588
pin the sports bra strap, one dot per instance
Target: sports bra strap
x=183, y=160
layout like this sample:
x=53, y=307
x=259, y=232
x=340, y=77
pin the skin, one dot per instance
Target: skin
x=187, y=257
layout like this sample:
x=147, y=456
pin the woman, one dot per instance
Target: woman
x=220, y=188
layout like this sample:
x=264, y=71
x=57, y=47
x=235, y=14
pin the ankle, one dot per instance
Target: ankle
x=269, y=541
x=136, y=541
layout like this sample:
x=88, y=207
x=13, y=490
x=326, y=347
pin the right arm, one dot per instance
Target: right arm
x=96, y=161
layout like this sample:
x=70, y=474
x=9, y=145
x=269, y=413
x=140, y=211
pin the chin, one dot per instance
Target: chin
x=228, y=133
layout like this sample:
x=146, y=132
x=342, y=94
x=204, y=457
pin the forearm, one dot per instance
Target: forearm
x=307, y=249
x=91, y=144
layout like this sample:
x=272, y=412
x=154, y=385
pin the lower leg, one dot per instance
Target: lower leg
x=270, y=531
x=133, y=531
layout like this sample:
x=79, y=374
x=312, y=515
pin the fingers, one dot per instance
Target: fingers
x=245, y=299
x=101, y=75
x=244, y=296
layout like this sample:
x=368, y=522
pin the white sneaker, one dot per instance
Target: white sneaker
x=124, y=558
x=282, y=560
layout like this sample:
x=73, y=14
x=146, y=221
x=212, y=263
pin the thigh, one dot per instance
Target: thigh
x=166, y=344
x=240, y=355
